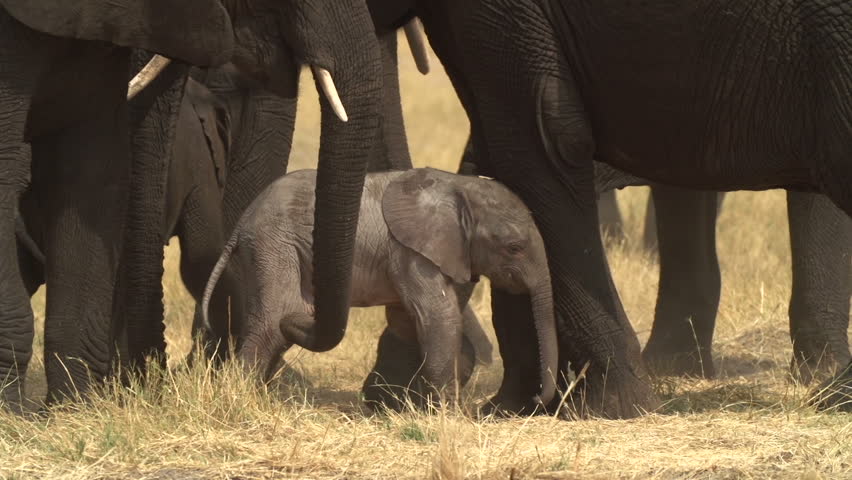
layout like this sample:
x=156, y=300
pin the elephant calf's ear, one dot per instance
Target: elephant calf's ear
x=427, y=213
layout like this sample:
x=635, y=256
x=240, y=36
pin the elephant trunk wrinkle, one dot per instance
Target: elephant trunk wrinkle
x=545, y=326
x=344, y=153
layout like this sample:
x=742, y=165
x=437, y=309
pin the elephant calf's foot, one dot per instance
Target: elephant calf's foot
x=692, y=363
x=396, y=382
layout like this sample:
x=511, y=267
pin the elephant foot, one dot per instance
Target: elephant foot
x=663, y=362
x=835, y=393
x=379, y=394
x=809, y=367
x=395, y=382
x=505, y=406
x=13, y=399
x=612, y=395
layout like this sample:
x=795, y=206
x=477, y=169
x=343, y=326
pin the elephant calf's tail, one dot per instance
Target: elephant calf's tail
x=215, y=275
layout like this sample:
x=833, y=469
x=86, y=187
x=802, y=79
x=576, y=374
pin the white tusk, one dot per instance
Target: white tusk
x=146, y=75
x=417, y=44
x=323, y=76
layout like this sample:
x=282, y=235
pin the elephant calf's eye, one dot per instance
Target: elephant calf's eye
x=514, y=248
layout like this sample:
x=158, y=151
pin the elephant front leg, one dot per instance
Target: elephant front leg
x=820, y=236
x=396, y=378
x=431, y=302
x=681, y=338
x=835, y=393
x=16, y=316
x=532, y=131
x=83, y=187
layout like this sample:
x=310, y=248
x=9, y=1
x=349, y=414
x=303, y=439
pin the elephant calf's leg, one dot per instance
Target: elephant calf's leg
x=273, y=305
x=397, y=376
x=395, y=379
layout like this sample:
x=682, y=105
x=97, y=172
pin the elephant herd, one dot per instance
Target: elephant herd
x=704, y=96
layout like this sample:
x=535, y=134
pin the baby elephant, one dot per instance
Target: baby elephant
x=423, y=236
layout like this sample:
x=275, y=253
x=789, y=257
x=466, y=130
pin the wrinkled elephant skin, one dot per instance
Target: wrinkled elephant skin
x=480, y=228
x=64, y=105
x=639, y=87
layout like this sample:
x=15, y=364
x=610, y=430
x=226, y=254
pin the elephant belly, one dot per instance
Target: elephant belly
x=707, y=94
x=371, y=286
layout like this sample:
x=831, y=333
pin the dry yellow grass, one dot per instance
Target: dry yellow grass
x=194, y=423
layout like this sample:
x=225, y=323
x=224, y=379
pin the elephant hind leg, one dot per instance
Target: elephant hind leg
x=820, y=239
x=261, y=350
x=681, y=338
x=272, y=300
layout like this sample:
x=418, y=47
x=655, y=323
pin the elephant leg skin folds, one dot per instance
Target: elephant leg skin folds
x=16, y=316
x=83, y=187
x=548, y=164
x=836, y=393
x=820, y=239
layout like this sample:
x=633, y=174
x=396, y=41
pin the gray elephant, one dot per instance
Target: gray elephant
x=196, y=210
x=423, y=237
x=684, y=223
x=63, y=98
x=550, y=86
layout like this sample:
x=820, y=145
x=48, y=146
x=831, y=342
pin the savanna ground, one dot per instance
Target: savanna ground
x=189, y=422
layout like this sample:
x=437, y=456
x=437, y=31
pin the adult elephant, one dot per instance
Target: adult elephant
x=652, y=90
x=200, y=168
x=79, y=144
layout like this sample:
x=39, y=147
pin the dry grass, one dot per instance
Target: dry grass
x=190, y=422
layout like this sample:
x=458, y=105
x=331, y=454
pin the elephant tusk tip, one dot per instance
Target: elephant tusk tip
x=328, y=88
x=155, y=66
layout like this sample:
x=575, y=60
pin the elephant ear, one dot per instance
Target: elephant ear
x=198, y=32
x=426, y=211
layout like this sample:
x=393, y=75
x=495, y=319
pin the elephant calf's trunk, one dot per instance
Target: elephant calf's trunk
x=548, y=348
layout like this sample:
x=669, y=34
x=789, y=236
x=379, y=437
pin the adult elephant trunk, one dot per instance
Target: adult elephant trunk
x=354, y=61
x=138, y=302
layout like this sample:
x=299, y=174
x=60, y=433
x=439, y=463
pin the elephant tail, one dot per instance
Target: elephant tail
x=215, y=275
